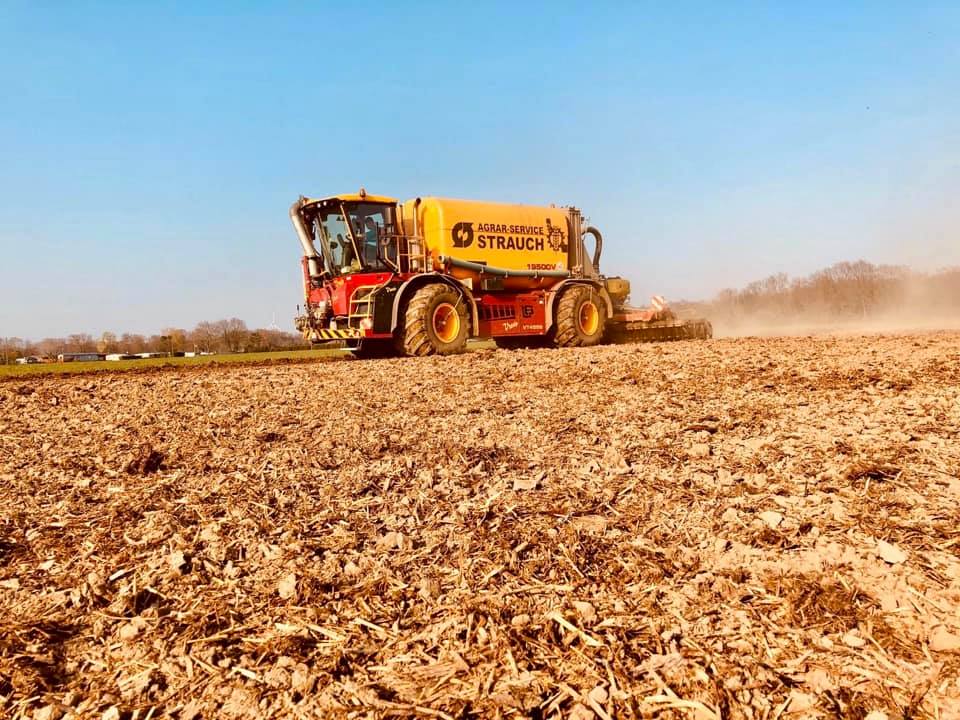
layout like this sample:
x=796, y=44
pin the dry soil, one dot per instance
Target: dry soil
x=735, y=528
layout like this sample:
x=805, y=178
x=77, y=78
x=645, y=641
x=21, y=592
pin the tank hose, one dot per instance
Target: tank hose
x=504, y=272
x=591, y=230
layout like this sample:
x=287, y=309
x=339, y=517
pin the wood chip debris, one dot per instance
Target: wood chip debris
x=890, y=553
x=745, y=529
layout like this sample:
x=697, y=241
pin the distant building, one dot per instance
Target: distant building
x=113, y=357
x=80, y=357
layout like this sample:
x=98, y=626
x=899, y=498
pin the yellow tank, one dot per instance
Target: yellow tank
x=528, y=240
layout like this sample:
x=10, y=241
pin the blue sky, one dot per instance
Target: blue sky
x=150, y=152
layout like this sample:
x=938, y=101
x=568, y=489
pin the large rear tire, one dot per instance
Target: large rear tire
x=580, y=318
x=435, y=322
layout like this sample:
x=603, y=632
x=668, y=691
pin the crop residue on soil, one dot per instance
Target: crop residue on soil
x=737, y=529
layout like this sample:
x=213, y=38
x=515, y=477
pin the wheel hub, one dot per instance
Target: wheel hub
x=588, y=318
x=446, y=322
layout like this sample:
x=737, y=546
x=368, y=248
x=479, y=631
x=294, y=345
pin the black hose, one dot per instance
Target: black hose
x=505, y=272
x=591, y=230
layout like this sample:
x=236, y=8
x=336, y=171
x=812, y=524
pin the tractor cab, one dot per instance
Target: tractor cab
x=355, y=257
x=353, y=234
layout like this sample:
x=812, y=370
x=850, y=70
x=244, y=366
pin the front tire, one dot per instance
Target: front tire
x=435, y=322
x=580, y=319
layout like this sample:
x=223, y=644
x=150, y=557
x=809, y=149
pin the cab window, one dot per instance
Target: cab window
x=371, y=223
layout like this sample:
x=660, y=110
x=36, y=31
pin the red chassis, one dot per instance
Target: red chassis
x=499, y=314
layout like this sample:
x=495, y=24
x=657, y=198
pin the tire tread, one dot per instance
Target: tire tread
x=414, y=338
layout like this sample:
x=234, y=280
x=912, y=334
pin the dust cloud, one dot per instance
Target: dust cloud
x=844, y=299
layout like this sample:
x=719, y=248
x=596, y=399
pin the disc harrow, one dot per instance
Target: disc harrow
x=659, y=331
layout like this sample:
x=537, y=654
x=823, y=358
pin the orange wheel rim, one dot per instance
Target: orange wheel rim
x=589, y=318
x=446, y=322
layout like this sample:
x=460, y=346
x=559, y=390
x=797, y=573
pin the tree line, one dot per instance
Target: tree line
x=846, y=291
x=229, y=335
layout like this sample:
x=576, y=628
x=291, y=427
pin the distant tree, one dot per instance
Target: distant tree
x=233, y=333
x=272, y=339
x=132, y=343
x=107, y=343
x=204, y=337
x=81, y=342
x=176, y=339
x=943, y=290
x=51, y=347
x=11, y=348
x=291, y=341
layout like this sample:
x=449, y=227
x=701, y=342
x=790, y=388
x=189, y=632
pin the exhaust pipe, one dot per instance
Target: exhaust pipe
x=309, y=251
x=415, y=247
x=598, y=248
x=416, y=217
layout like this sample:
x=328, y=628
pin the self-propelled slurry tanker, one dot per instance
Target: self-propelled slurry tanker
x=421, y=277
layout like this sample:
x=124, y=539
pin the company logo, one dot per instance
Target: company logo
x=556, y=237
x=502, y=236
x=462, y=234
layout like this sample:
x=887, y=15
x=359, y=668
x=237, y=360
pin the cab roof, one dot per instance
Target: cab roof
x=350, y=197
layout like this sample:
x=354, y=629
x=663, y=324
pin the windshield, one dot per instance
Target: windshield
x=357, y=246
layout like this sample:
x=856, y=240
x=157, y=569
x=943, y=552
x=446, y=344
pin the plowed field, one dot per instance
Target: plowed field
x=734, y=528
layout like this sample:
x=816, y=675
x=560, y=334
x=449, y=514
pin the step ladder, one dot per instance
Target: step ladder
x=361, y=305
